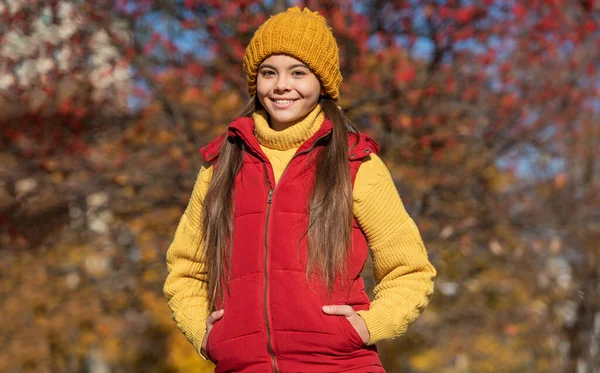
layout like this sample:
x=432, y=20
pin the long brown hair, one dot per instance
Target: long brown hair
x=330, y=206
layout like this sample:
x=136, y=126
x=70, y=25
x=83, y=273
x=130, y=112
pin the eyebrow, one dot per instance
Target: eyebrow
x=289, y=68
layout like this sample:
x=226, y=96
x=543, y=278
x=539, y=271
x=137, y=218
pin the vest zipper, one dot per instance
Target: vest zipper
x=269, y=345
x=269, y=202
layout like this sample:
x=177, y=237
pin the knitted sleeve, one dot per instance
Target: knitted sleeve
x=185, y=286
x=403, y=274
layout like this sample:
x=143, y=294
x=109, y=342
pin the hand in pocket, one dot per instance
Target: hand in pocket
x=210, y=322
x=354, y=318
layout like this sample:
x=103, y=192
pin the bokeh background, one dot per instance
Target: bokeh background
x=487, y=112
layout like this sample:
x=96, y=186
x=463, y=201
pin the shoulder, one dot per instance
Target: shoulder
x=194, y=207
x=240, y=127
x=372, y=175
x=210, y=151
x=361, y=146
x=205, y=173
x=364, y=151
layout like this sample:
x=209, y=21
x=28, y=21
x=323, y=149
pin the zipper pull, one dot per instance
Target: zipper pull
x=270, y=196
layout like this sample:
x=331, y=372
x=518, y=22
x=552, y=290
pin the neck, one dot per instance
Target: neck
x=289, y=137
x=280, y=126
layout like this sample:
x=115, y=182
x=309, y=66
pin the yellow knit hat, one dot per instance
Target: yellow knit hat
x=302, y=34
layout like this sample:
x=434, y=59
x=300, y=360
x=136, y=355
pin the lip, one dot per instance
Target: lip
x=283, y=106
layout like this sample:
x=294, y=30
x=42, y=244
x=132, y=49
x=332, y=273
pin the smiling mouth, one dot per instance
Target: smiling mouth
x=283, y=102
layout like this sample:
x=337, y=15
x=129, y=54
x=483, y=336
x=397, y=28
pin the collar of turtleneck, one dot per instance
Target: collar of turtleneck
x=291, y=137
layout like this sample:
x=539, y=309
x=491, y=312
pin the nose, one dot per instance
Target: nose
x=282, y=83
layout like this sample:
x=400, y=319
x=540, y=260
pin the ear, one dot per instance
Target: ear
x=323, y=93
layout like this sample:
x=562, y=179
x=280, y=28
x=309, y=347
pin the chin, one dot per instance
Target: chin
x=285, y=118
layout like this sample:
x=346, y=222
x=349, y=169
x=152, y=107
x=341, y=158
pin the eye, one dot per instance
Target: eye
x=298, y=73
x=266, y=73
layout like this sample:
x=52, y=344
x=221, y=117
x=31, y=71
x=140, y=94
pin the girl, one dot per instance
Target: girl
x=264, y=269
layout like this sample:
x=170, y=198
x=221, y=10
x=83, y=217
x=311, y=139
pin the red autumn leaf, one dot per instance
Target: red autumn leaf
x=589, y=27
x=218, y=83
x=189, y=24
x=80, y=112
x=591, y=69
x=469, y=94
x=337, y=21
x=405, y=75
x=451, y=84
x=189, y=4
x=130, y=53
x=547, y=23
x=148, y=47
x=464, y=33
x=243, y=27
x=505, y=68
x=465, y=14
x=171, y=47
x=425, y=141
x=519, y=11
x=509, y=101
x=445, y=12
x=430, y=91
x=195, y=69
x=65, y=107
x=237, y=48
x=489, y=57
x=156, y=37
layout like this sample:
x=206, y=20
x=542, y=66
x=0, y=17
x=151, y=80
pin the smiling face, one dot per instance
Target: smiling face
x=287, y=89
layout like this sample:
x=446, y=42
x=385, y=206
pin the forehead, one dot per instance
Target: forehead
x=281, y=60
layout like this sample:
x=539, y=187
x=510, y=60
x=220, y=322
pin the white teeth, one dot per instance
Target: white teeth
x=283, y=102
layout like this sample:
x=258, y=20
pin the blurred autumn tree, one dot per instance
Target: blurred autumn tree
x=487, y=113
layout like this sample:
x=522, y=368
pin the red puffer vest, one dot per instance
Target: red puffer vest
x=273, y=320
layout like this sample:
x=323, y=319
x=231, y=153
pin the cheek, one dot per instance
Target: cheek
x=311, y=88
x=261, y=93
x=262, y=85
x=311, y=92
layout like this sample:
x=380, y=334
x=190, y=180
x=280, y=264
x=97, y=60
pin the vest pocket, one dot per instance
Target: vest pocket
x=352, y=336
x=211, y=334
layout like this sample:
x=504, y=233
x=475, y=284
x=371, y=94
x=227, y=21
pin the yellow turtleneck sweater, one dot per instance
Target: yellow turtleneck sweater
x=403, y=274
